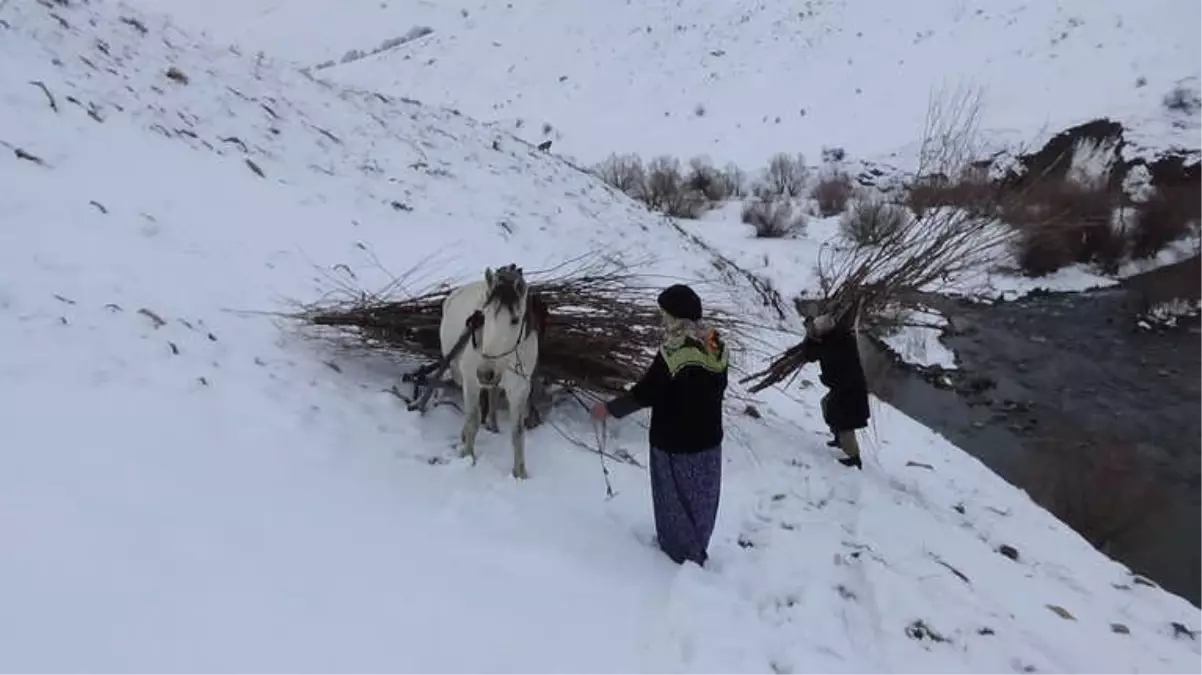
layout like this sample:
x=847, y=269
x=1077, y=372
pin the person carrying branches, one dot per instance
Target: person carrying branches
x=832, y=343
x=684, y=386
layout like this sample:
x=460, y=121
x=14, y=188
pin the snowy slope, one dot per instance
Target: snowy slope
x=742, y=80
x=185, y=486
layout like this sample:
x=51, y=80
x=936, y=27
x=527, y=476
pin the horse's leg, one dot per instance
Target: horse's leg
x=491, y=399
x=471, y=418
x=517, y=391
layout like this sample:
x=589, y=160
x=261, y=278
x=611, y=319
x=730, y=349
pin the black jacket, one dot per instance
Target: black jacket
x=684, y=387
x=842, y=373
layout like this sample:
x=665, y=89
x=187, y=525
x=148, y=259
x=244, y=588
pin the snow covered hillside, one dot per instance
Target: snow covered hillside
x=187, y=486
x=742, y=80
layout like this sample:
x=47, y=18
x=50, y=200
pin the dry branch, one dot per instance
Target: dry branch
x=929, y=253
x=602, y=324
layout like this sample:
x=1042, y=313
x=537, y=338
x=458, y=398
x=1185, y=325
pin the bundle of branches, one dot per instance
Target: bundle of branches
x=919, y=254
x=600, y=332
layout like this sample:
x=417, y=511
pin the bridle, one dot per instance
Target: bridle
x=475, y=323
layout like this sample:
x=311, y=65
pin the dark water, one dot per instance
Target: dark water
x=1073, y=360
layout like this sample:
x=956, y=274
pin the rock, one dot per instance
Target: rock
x=1120, y=629
x=1008, y=551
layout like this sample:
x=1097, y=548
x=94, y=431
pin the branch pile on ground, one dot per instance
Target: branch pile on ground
x=602, y=325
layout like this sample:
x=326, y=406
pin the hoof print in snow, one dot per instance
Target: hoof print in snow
x=780, y=496
x=779, y=668
x=176, y=75
x=64, y=299
x=154, y=318
x=985, y=630
x=1119, y=628
x=752, y=412
x=135, y=24
x=204, y=382
x=333, y=366
x=919, y=630
x=845, y=592
x=400, y=206
x=1061, y=612
x=437, y=461
x=99, y=206
x=212, y=338
x=29, y=157
x=1180, y=630
x=1008, y=551
x=114, y=307
x=744, y=542
x=255, y=167
x=174, y=348
x=959, y=508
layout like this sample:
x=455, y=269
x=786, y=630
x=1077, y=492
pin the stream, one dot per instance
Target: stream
x=1064, y=361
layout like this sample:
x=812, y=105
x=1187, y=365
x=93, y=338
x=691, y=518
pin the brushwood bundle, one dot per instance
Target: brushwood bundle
x=601, y=325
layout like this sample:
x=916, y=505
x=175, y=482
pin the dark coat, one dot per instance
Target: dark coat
x=684, y=387
x=842, y=373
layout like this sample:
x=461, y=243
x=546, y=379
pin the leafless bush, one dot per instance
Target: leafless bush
x=660, y=184
x=1165, y=217
x=773, y=218
x=1183, y=100
x=735, y=180
x=665, y=190
x=1061, y=223
x=1097, y=485
x=713, y=184
x=969, y=192
x=832, y=192
x=624, y=172
x=784, y=177
x=870, y=220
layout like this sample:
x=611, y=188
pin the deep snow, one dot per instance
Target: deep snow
x=742, y=80
x=188, y=485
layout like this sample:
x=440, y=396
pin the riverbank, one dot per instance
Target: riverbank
x=1055, y=363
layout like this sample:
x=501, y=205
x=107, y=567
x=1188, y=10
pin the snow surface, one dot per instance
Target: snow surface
x=744, y=79
x=188, y=485
x=917, y=340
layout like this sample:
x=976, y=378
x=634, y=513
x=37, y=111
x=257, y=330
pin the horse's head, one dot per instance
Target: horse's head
x=504, y=310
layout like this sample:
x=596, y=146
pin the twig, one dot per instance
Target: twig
x=45, y=90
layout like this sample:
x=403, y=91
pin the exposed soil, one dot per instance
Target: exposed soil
x=1056, y=361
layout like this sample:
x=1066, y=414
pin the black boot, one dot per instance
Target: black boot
x=852, y=461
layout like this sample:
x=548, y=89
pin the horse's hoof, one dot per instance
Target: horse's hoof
x=520, y=473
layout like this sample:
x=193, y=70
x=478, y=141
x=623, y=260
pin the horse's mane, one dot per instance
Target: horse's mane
x=505, y=293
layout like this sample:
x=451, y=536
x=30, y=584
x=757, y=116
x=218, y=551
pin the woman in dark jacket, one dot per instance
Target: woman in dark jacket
x=845, y=406
x=684, y=387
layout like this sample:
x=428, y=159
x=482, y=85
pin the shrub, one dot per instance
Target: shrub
x=705, y=179
x=773, y=218
x=1166, y=216
x=784, y=177
x=832, y=193
x=1061, y=223
x=624, y=172
x=870, y=220
x=975, y=195
x=659, y=184
x=664, y=189
x=735, y=180
x=1042, y=250
x=1183, y=100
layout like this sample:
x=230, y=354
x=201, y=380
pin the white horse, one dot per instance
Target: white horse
x=501, y=353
